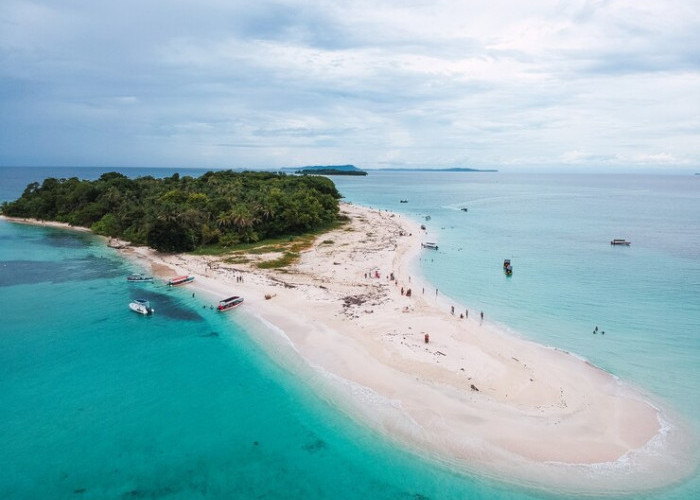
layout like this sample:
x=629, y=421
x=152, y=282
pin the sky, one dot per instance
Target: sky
x=515, y=85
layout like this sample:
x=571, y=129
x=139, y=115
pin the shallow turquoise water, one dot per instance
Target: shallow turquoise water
x=98, y=402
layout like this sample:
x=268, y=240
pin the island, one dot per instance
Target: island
x=347, y=312
x=424, y=169
x=330, y=170
x=180, y=214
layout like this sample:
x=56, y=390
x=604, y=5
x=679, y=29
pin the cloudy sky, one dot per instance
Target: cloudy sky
x=509, y=84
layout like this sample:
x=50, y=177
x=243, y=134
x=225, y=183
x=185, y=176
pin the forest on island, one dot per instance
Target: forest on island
x=177, y=214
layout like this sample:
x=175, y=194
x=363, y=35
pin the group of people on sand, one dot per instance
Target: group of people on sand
x=465, y=314
x=374, y=273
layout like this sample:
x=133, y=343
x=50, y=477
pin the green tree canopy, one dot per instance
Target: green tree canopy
x=177, y=214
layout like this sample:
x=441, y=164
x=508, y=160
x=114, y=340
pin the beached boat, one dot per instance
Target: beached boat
x=230, y=303
x=429, y=245
x=141, y=306
x=507, y=267
x=620, y=242
x=180, y=280
x=138, y=278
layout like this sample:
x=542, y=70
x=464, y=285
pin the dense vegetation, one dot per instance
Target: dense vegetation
x=330, y=171
x=183, y=213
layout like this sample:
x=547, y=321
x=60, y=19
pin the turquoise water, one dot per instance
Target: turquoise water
x=98, y=402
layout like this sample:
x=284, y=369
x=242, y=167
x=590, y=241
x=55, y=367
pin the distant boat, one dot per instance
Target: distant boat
x=403, y=201
x=507, y=268
x=141, y=306
x=135, y=278
x=464, y=209
x=180, y=280
x=429, y=245
x=230, y=303
x=620, y=242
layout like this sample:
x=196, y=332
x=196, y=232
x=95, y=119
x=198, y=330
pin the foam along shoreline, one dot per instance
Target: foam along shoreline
x=474, y=397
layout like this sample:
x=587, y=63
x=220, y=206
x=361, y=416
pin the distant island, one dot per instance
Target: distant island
x=452, y=169
x=329, y=170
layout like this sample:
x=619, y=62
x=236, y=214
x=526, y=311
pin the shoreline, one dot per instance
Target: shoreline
x=474, y=397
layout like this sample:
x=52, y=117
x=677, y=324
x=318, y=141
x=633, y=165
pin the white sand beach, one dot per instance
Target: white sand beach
x=472, y=397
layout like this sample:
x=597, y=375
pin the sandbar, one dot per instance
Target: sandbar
x=472, y=397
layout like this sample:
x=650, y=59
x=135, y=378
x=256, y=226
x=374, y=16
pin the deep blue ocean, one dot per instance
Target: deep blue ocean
x=97, y=402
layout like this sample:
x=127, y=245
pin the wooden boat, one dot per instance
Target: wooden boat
x=230, y=303
x=430, y=245
x=138, y=278
x=180, y=280
x=620, y=242
x=507, y=268
x=141, y=306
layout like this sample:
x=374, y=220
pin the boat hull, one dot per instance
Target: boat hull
x=231, y=303
x=141, y=308
x=181, y=280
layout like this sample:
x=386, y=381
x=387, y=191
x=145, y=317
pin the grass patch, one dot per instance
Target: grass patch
x=237, y=259
x=287, y=259
x=294, y=243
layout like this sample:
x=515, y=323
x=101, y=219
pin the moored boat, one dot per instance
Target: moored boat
x=180, y=280
x=429, y=245
x=136, y=278
x=507, y=267
x=230, y=303
x=141, y=306
x=620, y=241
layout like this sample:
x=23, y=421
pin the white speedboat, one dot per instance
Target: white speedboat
x=141, y=306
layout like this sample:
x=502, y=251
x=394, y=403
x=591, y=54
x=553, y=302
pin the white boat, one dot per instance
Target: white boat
x=141, y=306
x=429, y=245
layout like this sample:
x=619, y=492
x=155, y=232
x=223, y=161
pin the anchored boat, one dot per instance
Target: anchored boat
x=141, y=306
x=507, y=267
x=620, y=241
x=230, y=303
x=180, y=280
x=138, y=278
x=429, y=245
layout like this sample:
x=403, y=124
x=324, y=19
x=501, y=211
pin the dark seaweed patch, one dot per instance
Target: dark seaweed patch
x=29, y=272
x=315, y=446
x=166, y=305
x=66, y=239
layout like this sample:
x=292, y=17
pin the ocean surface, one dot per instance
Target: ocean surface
x=97, y=402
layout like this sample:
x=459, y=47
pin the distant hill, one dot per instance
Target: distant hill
x=328, y=170
x=452, y=169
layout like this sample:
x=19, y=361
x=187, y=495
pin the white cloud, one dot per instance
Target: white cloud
x=271, y=83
